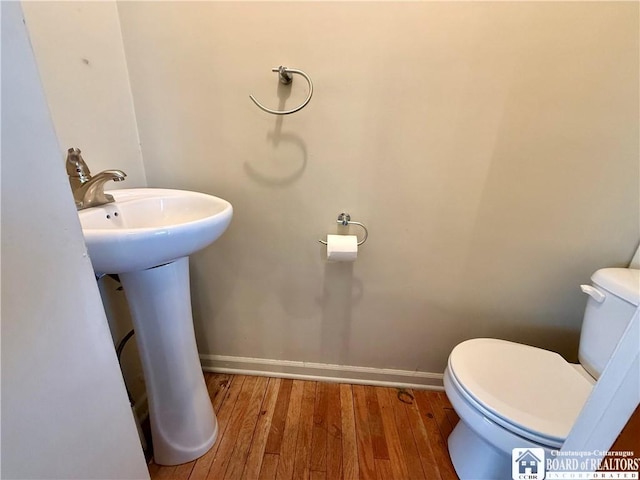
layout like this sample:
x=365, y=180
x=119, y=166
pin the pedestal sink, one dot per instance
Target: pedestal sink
x=146, y=237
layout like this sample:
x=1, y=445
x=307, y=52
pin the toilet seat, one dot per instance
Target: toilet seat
x=532, y=392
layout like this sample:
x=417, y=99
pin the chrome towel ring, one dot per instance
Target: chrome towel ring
x=285, y=77
x=344, y=219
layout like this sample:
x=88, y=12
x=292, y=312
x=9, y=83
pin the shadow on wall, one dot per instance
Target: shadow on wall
x=341, y=291
x=521, y=328
x=559, y=339
x=278, y=176
x=281, y=170
x=118, y=315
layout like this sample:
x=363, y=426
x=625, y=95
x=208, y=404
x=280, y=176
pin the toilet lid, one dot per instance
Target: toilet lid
x=533, y=389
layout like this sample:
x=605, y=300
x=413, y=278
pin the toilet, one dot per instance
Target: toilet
x=509, y=395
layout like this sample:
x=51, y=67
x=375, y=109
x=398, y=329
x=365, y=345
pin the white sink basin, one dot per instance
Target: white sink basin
x=146, y=236
x=146, y=227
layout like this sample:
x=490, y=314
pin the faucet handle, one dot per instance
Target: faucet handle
x=76, y=166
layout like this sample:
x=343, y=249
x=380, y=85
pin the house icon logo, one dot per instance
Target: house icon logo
x=527, y=464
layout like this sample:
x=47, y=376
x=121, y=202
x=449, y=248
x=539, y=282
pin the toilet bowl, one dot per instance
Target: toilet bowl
x=509, y=395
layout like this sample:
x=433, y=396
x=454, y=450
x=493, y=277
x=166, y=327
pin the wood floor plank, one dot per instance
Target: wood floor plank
x=227, y=442
x=437, y=441
x=165, y=473
x=305, y=431
x=290, y=434
x=452, y=416
x=218, y=386
x=378, y=440
x=349, y=440
x=438, y=407
x=323, y=431
x=183, y=471
x=396, y=456
x=334, y=432
x=318, y=462
x=203, y=464
x=429, y=464
x=444, y=400
x=154, y=470
x=269, y=467
x=383, y=469
x=243, y=440
x=407, y=442
x=316, y=475
x=259, y=441
x=366, y=459
x=274, y=441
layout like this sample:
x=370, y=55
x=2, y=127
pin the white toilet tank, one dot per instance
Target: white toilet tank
x=613, y=298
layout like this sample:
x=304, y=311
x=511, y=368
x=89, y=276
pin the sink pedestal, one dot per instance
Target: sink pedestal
x=183, y=424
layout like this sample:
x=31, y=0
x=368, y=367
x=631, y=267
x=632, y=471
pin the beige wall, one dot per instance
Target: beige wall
x=81, y=60
x=65, y=412
x=84, y=73
x=490, y=148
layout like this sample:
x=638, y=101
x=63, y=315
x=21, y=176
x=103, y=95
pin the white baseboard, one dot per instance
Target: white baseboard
x=322, y=372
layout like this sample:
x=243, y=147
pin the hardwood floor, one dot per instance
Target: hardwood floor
x=272, y=428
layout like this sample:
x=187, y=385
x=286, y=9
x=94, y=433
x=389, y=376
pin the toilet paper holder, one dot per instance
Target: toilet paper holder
x=344, y=219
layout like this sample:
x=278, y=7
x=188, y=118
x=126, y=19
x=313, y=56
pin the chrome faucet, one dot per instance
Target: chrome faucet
x=88, y=191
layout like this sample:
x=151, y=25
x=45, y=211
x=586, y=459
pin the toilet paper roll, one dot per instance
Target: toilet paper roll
x=342, y=248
